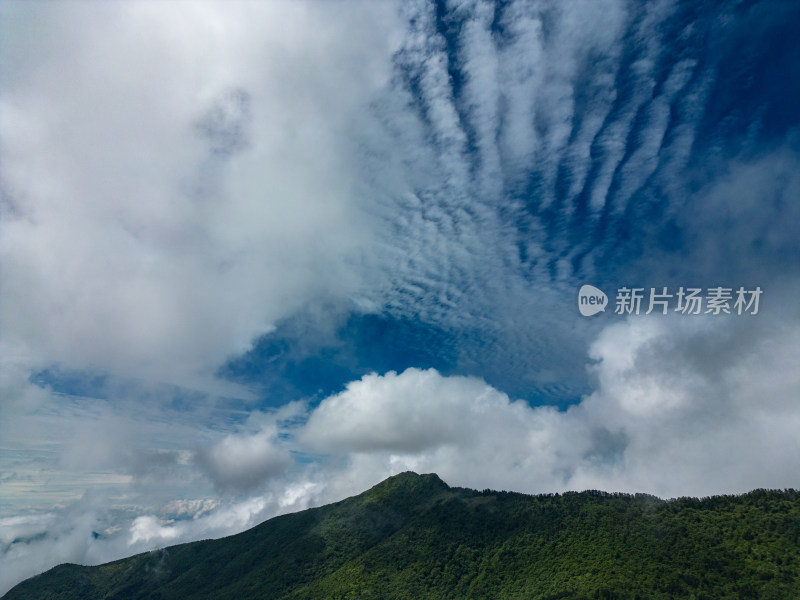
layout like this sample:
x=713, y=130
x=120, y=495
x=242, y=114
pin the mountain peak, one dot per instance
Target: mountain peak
x=409, y=485
x=415, y=479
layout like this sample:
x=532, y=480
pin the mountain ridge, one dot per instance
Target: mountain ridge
x=413, y=536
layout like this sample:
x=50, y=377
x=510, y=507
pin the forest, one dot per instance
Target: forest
x=412, y=536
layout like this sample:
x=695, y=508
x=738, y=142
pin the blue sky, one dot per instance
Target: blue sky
x=257, y=257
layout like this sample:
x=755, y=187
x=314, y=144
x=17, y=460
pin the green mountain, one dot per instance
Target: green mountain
x=414, y=537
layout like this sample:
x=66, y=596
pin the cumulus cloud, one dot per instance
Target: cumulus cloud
x=243, y=462
x=412, y=412
x=673, y=401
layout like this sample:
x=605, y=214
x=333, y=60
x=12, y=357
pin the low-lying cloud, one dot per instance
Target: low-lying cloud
x=243, y=462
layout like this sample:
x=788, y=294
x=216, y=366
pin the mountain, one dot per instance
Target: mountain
x=412, y=536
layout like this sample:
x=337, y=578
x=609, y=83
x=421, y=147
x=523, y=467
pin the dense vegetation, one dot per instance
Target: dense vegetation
x=414, y=537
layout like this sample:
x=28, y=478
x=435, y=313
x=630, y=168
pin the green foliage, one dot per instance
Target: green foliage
x=414, y=537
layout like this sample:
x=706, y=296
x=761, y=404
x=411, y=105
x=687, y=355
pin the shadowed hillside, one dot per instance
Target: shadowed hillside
x=412, y=536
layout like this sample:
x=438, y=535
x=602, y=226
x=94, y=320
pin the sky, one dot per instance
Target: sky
x=257, y=257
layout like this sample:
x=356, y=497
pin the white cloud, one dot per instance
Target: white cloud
x=148, y=527
x=23, y=526
x=663, y=419
x=244, y=462
x=412, y=412
x=131, y=242
x=41, y=541
x=86, y=533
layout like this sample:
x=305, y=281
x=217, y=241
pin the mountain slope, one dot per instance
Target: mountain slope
x=412, y=536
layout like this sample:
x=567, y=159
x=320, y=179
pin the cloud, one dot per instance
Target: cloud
x=673, y=400
x=518, y=152
x=41, y=541
x=464, y=170
x=147, y=528
x=156, y=222
x=750, y=201
x=412, y=412
x=255, y=454
x=243, y=462
x=58, y=447
x=86, y=533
